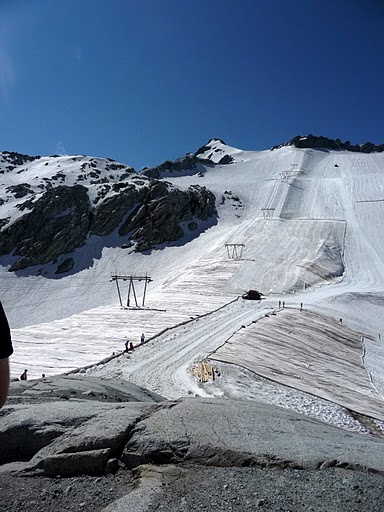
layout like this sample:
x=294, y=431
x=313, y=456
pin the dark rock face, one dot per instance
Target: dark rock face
x=105, y=199
x=16, y=159
x=20, y=190
x=227, y=159
x=315, y=142
x=57, y=224
x=108, y=215
x=4, y=222
x=148, y=212
x=157, y=220
x=189, y=162
x=154, y=213
x=66, y=266
x=210, y=152
x=207, y=147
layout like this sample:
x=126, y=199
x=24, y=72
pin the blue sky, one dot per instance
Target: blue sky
x=142, y=81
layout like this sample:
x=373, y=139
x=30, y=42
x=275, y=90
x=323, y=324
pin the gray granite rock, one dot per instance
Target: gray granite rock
x=69, y=424
x=216, y=432
x=65, y=387
x=83, y=436
x=60, y=437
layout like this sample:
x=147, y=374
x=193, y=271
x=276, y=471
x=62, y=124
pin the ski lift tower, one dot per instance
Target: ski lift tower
x=235, y=251
x=131, y=287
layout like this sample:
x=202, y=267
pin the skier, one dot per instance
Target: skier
x=126, y=346
x=142, y=339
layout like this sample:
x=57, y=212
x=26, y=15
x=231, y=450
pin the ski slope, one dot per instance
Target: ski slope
x=310, y=221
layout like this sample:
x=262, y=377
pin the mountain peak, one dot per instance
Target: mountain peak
x=217, y=151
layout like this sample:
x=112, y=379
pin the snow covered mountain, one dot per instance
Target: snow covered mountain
x=302, y=225
x=52, y=206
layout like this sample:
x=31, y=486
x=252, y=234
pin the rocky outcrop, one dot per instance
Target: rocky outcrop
x=78, y=387
x=70, y=425
x=227, y=159
x=59, y=220
x=93, y=432
x=65, y=266
x=192, y=163
x=241, y=433
x=176, y=167
x=57, y=223
x=207, y=147
x=320, y=142
x=20, y=190
x=107, y=216
x=216, y=152
x=16, y=159
x=192, y=454
x=157, y=220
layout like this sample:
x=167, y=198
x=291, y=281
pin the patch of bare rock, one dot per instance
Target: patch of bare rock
x=83, y=443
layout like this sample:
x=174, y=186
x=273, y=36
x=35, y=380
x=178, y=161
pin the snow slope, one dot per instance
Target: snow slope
x=310, y=221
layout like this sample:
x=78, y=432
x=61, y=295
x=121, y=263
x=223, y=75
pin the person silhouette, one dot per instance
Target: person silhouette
x=6, y=350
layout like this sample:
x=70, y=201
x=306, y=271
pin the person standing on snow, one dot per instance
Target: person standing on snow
x=142, y=339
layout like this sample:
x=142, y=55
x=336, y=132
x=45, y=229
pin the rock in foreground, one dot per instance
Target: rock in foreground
x=185, y=455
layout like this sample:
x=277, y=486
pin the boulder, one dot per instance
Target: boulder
x=48, y=427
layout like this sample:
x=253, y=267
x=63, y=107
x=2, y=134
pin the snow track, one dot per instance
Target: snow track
x=161, y=365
